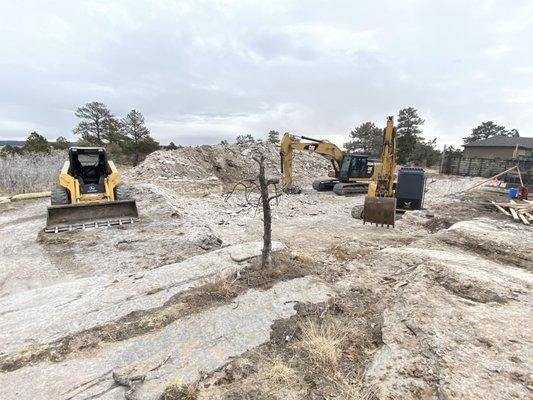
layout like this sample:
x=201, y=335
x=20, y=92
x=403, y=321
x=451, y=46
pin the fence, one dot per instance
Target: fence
x=487, y=167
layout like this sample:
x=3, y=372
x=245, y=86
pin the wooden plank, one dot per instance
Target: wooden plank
x=519, y=175
x=488, y=180
x=524, y=219
x=515, y=205
x=528, y=215
x=514, y=214
x=27, y=196
x=503, y=210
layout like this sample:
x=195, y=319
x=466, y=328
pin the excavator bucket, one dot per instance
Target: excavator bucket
x=379, y=210
x=90, y=215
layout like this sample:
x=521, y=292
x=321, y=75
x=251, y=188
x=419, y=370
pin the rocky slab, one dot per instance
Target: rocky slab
x=50, y=313
x=460, y=325
x=175, y=354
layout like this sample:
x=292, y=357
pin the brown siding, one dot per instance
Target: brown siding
x=488, y=167
x=492, y=152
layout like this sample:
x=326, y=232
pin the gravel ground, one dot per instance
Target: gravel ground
x=432, y=285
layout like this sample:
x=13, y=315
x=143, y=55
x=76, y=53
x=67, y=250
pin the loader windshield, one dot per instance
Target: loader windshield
x=88, y=159
x=88, y=164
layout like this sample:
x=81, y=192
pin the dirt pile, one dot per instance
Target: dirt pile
x=221, y=165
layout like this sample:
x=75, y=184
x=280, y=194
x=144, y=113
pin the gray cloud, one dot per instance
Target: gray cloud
x=206, y=71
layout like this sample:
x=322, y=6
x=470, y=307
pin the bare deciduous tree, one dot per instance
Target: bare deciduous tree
x=257, y=193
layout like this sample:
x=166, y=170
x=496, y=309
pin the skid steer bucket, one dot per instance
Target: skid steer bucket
x=90, y=215
x=379, y=210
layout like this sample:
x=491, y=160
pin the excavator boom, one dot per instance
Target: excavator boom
x=322, y=147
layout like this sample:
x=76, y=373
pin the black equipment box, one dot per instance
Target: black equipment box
x=410, y=188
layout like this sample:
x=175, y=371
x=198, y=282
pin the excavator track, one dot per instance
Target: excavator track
x=324, y=185
x=347, y=189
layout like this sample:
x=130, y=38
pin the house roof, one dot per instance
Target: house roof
x=503, y=141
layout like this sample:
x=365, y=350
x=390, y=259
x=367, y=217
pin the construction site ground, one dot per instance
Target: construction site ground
x=177, y=306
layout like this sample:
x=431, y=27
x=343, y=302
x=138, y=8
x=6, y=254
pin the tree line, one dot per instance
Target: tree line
x=412, y=147
x=126, y=139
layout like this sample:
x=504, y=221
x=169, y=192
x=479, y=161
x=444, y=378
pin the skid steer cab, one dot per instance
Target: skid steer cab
x=89, y=194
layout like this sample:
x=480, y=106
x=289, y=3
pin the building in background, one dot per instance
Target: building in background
x=500, y=147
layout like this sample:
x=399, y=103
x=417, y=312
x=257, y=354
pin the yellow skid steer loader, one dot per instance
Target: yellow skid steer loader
x=89, y=194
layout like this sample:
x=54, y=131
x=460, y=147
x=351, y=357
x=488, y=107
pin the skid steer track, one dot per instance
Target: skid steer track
x=90, y=215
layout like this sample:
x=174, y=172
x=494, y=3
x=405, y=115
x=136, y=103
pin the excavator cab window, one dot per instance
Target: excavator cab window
x=355, y=166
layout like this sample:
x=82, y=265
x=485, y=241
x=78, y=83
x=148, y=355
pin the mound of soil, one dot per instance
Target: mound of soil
x=224, y=164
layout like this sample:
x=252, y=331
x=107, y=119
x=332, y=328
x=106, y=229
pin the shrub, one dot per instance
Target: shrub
x=30, y=172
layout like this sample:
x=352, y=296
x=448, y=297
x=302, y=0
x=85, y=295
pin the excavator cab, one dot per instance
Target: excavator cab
x=355, y=166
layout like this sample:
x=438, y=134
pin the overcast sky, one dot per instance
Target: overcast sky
x=203, y=71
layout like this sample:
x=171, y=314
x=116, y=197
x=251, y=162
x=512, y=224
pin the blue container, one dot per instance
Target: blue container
x=513, y=193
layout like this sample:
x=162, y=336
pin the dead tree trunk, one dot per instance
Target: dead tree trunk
x=260, y=185
x=266, y=258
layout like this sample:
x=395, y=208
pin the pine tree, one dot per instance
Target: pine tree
x=36, y=144
x=243, y=139
x=366, y=138
x=61, y=143
x=273, y=137
x=97, y=125
x=408, y=134
x=138, y=140
x=489, y=129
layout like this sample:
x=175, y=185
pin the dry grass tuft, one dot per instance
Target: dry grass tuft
x=177, y=391
x=278, y=372
x=322, y=341
x=220, y=290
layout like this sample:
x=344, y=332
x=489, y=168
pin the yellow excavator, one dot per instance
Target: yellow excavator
x=351, y=173
x=89, y=194
x=390, y=192
x=380, y=202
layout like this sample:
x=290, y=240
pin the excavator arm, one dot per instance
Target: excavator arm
x=380, y=203
x=322, y=147
x=384, y=177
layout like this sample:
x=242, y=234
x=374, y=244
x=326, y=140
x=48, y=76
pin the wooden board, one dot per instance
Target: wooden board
x=524, y=219
x=503, y=210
